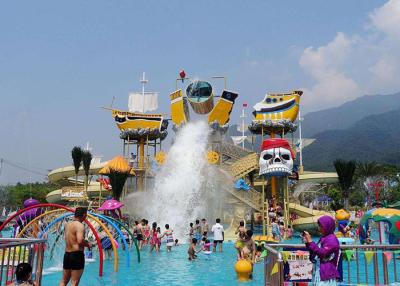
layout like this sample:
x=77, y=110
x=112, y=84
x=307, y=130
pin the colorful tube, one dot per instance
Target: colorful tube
x=130, y=233
x=36, y=219
x=102, y=225
x=68, y=209
x=119, y=232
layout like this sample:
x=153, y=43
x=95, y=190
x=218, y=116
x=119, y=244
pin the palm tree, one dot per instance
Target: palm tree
x=77, y=160
x=367, y=169
x=345, y=171
x=86, y=160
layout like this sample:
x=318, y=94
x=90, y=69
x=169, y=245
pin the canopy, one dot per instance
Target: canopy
x=110, y=205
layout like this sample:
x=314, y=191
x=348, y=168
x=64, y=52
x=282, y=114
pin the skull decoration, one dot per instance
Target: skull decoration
x=276, y=158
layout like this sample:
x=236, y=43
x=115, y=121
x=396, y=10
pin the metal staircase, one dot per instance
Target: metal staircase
x=238, y=162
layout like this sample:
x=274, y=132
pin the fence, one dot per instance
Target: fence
x=361, y=264
x=17, y=250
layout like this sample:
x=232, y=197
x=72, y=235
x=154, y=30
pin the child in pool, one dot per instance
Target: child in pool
x=192, y=249
x=259, y=250
x=241, y=233
x=206, y=245
x=23, y=274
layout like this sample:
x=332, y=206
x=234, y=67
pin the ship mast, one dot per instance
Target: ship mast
x=143, y=81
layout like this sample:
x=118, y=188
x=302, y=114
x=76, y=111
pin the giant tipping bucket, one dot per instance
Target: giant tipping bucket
x=199, y=94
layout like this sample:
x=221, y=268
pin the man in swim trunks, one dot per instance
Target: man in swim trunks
x=218, y=231
x=74, y=258
x=204, y=227
x=197, y=230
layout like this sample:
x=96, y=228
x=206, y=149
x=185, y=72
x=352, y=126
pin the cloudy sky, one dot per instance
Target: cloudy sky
x=60, y=62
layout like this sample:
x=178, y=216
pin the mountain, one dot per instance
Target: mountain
x=373, y=138
x=347, y=114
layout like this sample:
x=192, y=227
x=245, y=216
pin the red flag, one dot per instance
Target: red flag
x=245, y=104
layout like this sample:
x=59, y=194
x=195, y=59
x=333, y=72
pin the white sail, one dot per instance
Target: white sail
x=238, y=139
x=139, y=102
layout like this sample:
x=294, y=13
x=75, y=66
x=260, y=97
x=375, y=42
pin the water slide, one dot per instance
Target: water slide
x=65, y=176
x=308, y=218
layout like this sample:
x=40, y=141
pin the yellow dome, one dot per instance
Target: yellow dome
x=243, y=269
x=118, y=164
x=104, y=171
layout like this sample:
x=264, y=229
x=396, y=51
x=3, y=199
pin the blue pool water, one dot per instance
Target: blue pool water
x=163, y=269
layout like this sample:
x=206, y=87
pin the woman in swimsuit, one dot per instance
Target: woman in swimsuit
x=154, y=240
x=146, y=232
x=23, y=275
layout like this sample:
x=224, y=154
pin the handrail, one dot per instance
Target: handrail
x=14, y=251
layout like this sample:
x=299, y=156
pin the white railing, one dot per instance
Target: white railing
x=14, y=251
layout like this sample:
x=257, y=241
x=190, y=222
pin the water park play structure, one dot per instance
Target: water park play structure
x=142, y=134
x=247, y=181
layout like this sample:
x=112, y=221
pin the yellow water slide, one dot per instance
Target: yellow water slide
x=65, y=177
x=308, y=218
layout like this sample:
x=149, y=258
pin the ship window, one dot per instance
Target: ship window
x=281, y=99
x=274, y=100
x=268, y=100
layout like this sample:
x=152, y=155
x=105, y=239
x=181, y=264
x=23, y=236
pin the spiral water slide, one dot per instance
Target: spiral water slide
x=308, y=218
x=65, y=176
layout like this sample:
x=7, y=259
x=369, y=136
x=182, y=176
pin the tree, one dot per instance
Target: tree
x=345, y=171
x=117, y=182
x=86, y=160
x=337, y=200
x=367, y=169
x=77, y=160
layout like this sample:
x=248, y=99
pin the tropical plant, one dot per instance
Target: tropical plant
x=345, y=171
x=117, y=182
x=335, y=194
x=77, y=160
x=117, y=171
x=367, y=169
x=86, y=160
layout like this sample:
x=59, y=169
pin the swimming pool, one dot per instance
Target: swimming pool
x=163, y=268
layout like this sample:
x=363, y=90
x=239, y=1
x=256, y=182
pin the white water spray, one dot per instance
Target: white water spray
x=186, y=187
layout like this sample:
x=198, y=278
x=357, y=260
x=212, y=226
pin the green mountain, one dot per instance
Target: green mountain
x=373, y=138
x=345, y=115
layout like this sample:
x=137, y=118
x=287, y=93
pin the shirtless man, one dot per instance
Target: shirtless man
x=74, y=258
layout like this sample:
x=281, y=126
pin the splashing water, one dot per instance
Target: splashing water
x=185, y=187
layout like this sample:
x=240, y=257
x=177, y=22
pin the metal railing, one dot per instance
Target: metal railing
x=14, y=251
x=361, y=264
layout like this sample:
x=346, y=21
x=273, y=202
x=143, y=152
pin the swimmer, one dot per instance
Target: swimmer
x=241, y=233
x=176, y=242
x=191, y=231
x=146, y=232
x=204, y=227
x=154, y=238
x=197, y=230
x=192, y=250
x=218, y=231
x=169, y=238
x=139, y=233
x=249, y=249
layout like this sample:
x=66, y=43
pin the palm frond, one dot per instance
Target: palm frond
x=77, y=158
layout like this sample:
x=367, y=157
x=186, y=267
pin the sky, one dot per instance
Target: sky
x=60, y=62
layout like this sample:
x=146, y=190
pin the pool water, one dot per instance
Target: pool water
x=163, y=268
